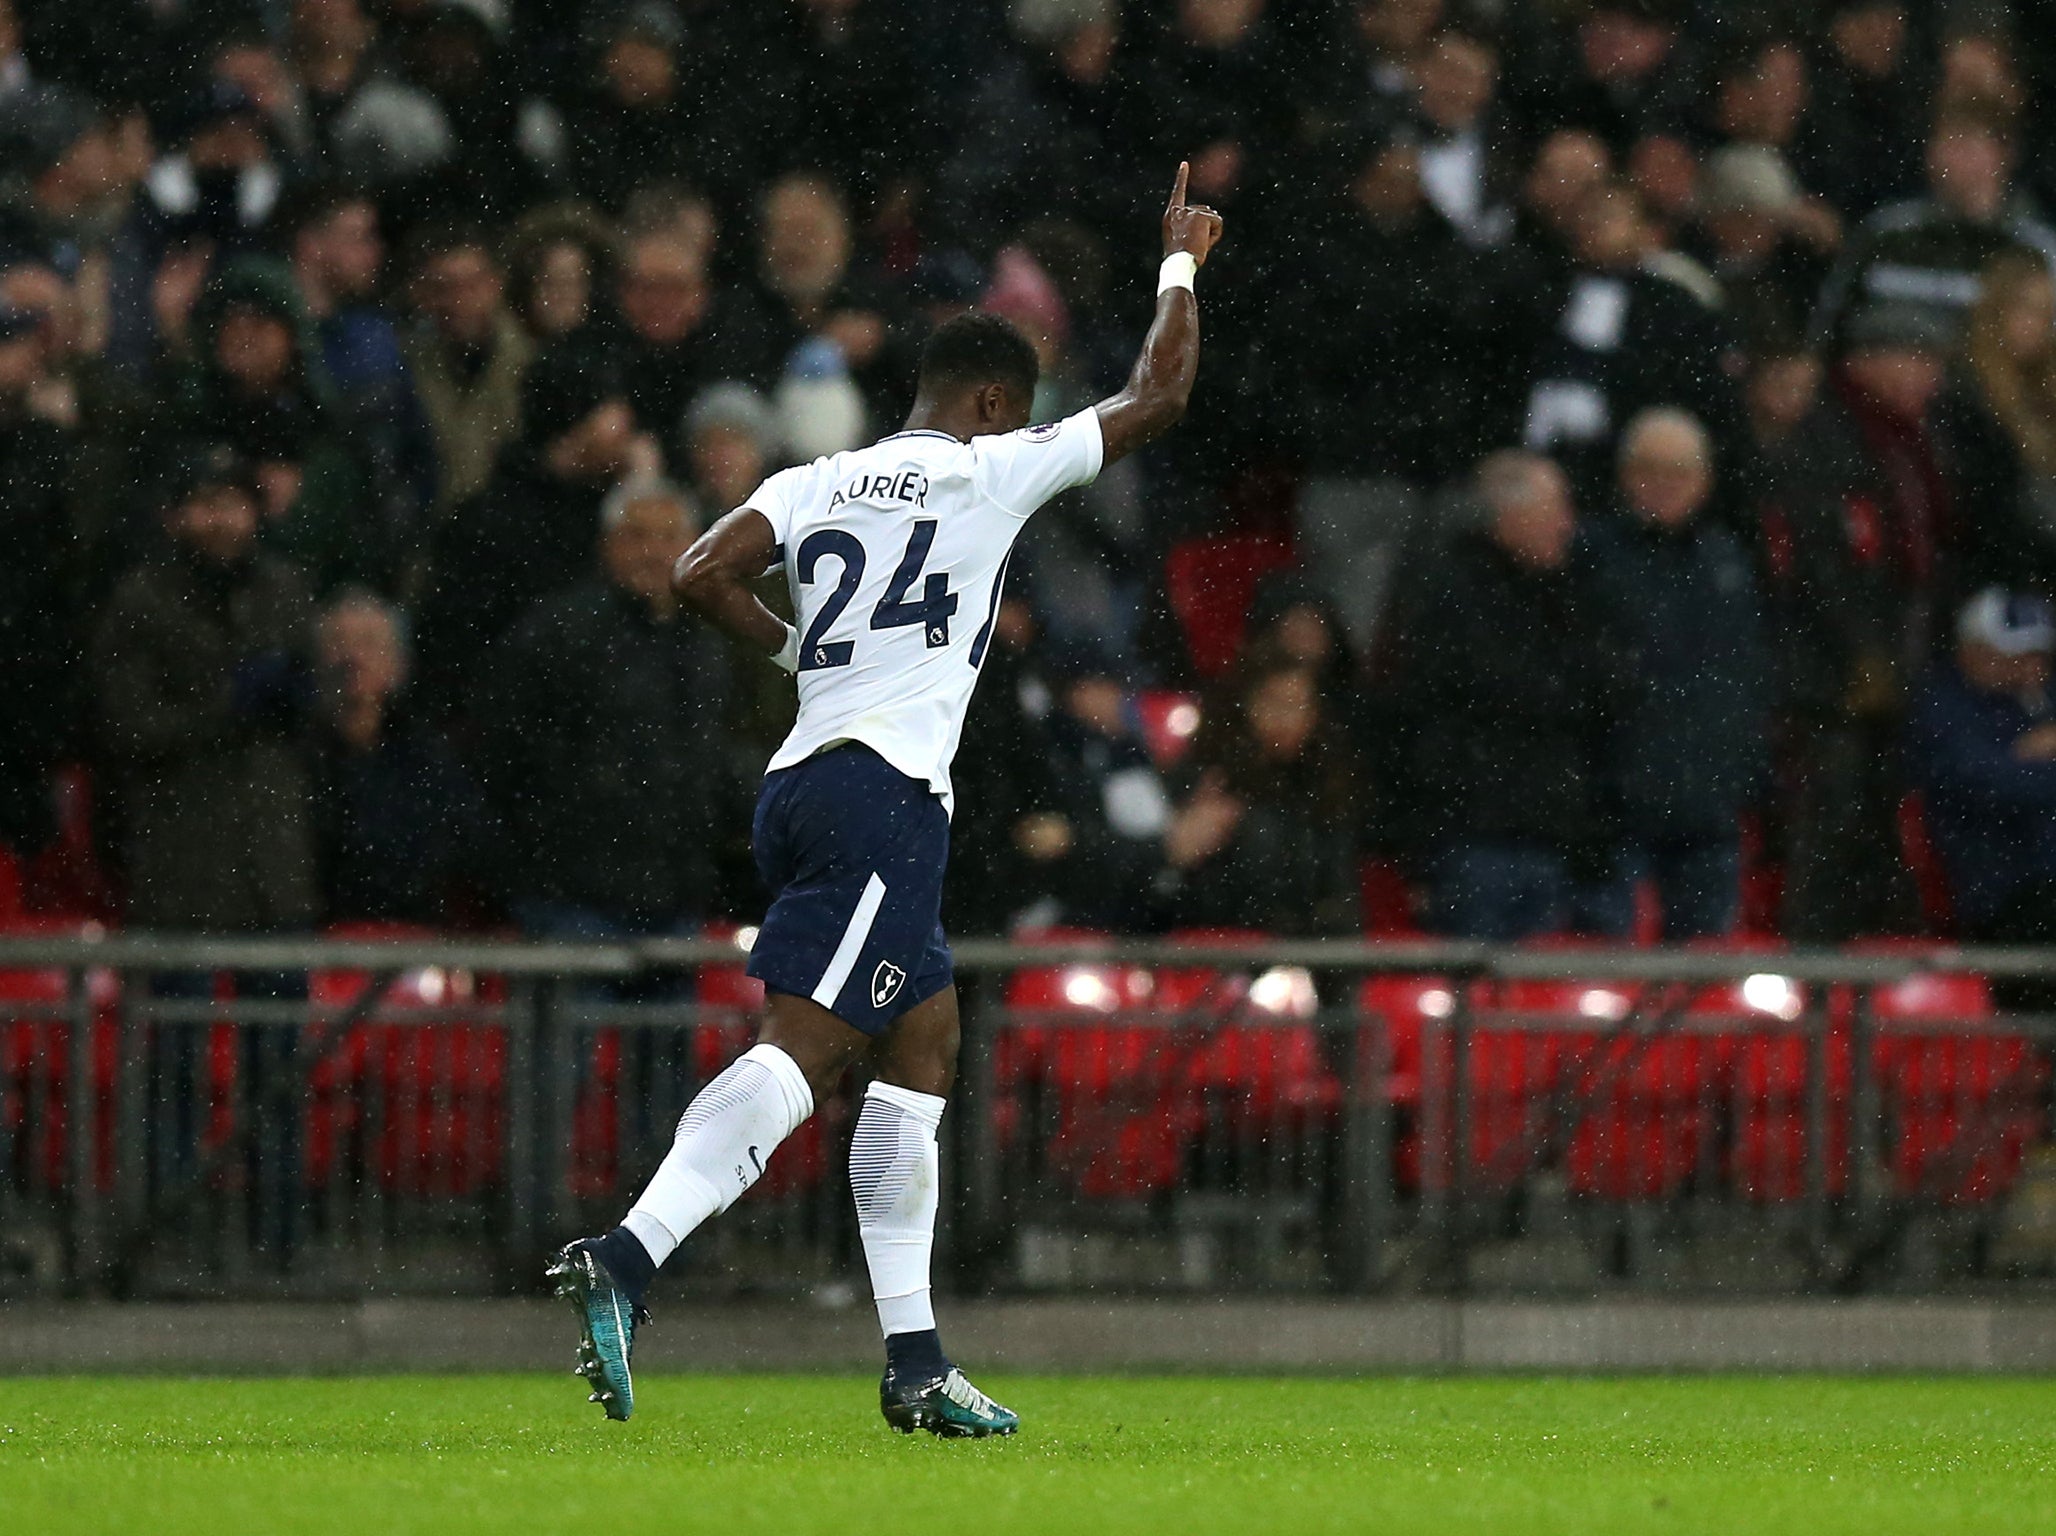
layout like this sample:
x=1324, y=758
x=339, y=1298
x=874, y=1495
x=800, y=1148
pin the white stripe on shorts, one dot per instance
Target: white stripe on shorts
x=852, y=944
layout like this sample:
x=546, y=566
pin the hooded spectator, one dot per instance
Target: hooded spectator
x=257, y=382
x=203, y=691
x=562, y=265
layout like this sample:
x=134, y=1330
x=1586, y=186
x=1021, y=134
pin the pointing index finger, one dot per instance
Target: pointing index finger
x=1178, y=187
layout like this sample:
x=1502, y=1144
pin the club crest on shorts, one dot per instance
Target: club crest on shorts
x=885, y=983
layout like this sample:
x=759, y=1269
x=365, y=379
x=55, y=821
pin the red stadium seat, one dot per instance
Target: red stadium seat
x=1119, y=1121
x=1211, y=582
x=439, y=1086
x=1259, y=1048
x=1960, y=1095
x=1399, y=1013
x=36, y=1063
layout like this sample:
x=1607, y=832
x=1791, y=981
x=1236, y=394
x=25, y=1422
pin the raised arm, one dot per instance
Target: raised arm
x=718, y=575
x=1153, y=399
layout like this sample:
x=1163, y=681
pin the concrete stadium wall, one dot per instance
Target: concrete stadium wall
x=1052, y=1335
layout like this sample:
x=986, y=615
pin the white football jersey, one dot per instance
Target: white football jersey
x=895, y=555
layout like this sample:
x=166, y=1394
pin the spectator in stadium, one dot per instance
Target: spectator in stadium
x=1377, y=316
x=1214, y=92
x=804, y=276
x=2004, y=425
x=220, y=183
x=468, y=356
x=395, y=815
x=1569, y=166
x=537, y=523
x=728, y=445
x=1264, y=836
x=1507, y=688
x=563, y=259
x=337, y=253
x=1869, y=99
x=256, y=380
x=1379, y=50
x=1860, y=519
x=1101, y=841
x=604, y=753
x=1467, y=166
x=1630, y=72
x=656, y=104
x=1048, y=127
x=1293, y=619
x=1688, y=752
x=678, y=334
x=1763, y=240
x=369, y=122
x=1616, y=337
x=201, y=671
x=1982, y=742
x=840, y=69
x=37, y=684
x=454, y=51
x=1931, y=250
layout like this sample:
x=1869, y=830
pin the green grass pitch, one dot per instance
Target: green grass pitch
x=390, y=1456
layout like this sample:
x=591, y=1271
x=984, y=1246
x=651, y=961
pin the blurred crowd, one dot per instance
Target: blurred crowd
x=1620, y=495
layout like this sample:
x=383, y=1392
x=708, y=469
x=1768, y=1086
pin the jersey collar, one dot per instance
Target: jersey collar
x=923, y=432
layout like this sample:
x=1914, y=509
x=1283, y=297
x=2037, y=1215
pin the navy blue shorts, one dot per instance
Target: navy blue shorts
x=855, y=850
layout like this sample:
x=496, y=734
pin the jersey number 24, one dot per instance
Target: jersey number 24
x=896, y=610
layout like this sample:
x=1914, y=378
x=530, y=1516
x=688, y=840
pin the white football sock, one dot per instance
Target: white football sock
x=894, y=1175
x=725, y=1137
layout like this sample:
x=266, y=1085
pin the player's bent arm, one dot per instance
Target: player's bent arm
x=718, y=575
x=1154, y=398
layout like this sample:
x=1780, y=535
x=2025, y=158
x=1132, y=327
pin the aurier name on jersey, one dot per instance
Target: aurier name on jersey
x=896, y=555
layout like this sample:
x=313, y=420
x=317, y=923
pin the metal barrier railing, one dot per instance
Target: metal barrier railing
x=254, y=1117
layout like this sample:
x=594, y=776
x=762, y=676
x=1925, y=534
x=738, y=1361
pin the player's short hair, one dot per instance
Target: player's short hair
x=977, y=349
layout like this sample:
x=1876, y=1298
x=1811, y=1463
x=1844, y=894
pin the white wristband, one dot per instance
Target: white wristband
x=788, y=657
x=1176, y=272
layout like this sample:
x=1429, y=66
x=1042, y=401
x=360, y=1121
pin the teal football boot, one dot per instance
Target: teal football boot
x=607, y=1321
x=946, y=1405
